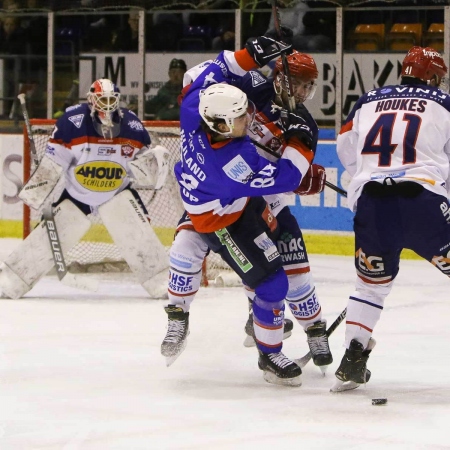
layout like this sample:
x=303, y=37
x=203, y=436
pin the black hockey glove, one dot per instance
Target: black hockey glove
x=295, y=126
x=286, y=34
x=263, y=49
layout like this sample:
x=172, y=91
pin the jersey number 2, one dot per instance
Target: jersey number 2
x=378, y=139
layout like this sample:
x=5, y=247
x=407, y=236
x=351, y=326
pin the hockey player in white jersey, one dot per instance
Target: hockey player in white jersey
x=98, y=148
x=188, y=249
x=395, y=144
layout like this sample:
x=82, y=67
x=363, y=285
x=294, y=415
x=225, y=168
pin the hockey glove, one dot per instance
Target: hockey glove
x=295, y=126
x=150, y=168
x=313, y=181
x=263, y=49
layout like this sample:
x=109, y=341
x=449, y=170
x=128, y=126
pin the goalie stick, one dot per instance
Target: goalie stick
x=55, y=243
x=273, y=153
x=305, y=359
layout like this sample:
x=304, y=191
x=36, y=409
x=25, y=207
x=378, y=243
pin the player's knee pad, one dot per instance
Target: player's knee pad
x=303, y=300
x=185, y=274
x=188, y=251
x=268, y=304
x=274, y=288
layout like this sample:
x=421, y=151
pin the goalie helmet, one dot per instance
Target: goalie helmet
x=103, y=98
x=303, y=71
x=223, y=101
x=424, y=63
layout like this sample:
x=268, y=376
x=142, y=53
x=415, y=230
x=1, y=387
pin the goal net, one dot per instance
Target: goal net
x=96, y=251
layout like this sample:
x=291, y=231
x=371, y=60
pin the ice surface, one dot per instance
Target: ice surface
x=84, y=371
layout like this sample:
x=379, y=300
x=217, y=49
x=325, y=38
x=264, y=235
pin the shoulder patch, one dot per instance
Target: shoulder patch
x=238, y=170
x=257, y=78
x=77, y=120
x=135, y=125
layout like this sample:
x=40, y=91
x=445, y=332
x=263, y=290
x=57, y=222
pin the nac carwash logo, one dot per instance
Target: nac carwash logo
x=127, y=151
x=100, y=176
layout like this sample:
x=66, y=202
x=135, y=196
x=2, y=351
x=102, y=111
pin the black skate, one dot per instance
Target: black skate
x=278, y=369
x=250, y=341
x=318, y=345
x=353, y=371
x=177, y=331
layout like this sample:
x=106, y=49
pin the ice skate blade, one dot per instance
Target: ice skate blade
x=250, y=342
x=273, y=379
x=342, y=386
x=171, y=359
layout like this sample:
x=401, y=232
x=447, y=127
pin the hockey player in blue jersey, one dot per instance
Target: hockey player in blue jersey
x=97, y=148
x=188, y=248
x=222, y=179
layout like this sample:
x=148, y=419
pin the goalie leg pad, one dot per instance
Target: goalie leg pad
x=134, y=236
x=12, y=286
x=33, y=257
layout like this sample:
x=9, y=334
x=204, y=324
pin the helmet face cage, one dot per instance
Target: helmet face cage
x=222, y=101
x=104, y=97
x=426, y=64
x=303, y=70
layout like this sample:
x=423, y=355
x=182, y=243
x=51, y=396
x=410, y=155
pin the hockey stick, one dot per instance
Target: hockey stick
x=49, y=220
x=287, y=73
x=273, y=153
x=305, y=359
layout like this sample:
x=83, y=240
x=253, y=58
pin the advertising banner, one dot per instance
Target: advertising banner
x=362, y=72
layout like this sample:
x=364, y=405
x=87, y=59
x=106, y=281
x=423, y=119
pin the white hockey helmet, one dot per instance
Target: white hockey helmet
x=223, y=101
x=103, y=98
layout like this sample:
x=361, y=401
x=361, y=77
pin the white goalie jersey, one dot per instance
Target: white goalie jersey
x=96, y=168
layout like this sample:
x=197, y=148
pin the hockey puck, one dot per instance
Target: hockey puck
x=379, y=401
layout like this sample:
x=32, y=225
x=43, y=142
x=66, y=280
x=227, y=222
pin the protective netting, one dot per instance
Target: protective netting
x=96, y=251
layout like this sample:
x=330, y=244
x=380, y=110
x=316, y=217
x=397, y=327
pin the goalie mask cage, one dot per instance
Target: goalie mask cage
x=96, y=251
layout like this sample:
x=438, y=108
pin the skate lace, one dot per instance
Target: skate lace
x=318, y=345
x=175, y=330
x=280, y=360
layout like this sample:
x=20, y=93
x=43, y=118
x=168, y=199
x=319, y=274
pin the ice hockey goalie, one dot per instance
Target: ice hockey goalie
x=99, y=149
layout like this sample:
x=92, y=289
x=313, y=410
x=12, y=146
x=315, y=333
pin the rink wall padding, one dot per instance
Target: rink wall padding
x=325, y=219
